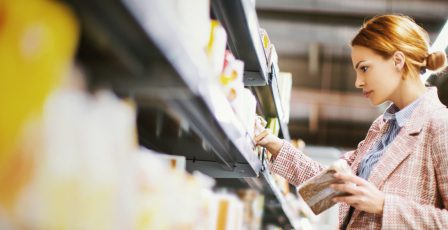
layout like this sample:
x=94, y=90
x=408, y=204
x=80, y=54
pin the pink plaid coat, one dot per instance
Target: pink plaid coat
x=413, y=171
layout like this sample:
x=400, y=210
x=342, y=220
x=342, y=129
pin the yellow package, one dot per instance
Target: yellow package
x=37, y=42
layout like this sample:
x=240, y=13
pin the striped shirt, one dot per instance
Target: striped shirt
x=395, y=119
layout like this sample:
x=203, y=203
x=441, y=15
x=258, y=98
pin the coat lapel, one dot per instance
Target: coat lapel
x=398, y=151
x=372, y=137
x=404, y=143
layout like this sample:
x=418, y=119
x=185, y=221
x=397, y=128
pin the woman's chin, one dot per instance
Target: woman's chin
x=376, y=102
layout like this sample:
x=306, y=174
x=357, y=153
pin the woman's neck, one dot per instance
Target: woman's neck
x=408, y=91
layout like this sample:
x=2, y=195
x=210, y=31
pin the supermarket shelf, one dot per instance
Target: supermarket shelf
x=279, y=205
x=269, y=98
x=126, y=46
x=279, y=108
x=241, y=23
x=278, y=211
x=240, y=19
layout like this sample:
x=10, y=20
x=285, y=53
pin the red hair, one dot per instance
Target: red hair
x=387, y=34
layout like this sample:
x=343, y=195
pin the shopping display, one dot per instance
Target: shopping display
x=38, y=40
x=176, y=114
x=70, y=153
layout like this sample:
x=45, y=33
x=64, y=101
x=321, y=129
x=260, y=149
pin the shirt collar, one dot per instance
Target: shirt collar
x=401, y=116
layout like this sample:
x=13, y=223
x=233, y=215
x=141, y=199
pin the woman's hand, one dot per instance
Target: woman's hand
x=265, y=138
x=272, y=143
x=363, y=194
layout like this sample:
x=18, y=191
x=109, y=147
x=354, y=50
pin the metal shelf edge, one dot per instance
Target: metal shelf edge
x=239, y=17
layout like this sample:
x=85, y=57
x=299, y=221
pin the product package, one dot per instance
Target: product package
x=284, y=82
x=316, y=192
x=216, y=48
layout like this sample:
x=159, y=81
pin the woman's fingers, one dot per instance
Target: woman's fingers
x=348, y=188
x=350, y=200
x=364, y=196
x=262, y=135
x=350, y=178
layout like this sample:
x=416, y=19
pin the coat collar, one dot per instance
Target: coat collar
x=429, y=103
x=401, y=116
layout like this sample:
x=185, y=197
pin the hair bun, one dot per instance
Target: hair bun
x=436, y=61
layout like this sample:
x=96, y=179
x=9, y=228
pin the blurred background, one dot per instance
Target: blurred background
x=312, y=40
x=142, y=114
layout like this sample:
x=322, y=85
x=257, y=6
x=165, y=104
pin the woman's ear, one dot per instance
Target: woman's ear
x=399, y=59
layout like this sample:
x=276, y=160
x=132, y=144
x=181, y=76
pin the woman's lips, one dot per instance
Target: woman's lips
x=367, y=93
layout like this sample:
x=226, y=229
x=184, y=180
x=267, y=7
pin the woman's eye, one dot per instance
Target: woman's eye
x=364, y=69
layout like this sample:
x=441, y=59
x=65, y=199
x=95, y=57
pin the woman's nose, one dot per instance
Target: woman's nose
x=359, y=83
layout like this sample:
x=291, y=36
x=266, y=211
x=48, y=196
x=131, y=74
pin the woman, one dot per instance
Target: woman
x=401, y=167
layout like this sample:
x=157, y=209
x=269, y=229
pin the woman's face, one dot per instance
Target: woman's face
x=378, y=78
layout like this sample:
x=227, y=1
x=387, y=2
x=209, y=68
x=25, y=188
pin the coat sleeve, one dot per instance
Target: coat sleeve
x=297, y=168
x=294, y=166
x=400, y=212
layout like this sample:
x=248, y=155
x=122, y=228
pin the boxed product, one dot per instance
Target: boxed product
x=316, y=191
x=229, y=212
x=266, y=41
x=245, y=106
x=284, y=81
x=253, y=208
x=231, y=78
x=274, y=126
x=173, y=162
x=216, y=48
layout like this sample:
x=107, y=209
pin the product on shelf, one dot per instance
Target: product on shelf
x=231, y=78
x=88, y=172
x=229, y=212
x=173, y=162
x=273, y=59
x=274, y=126
x=194, y=20
x=269, y=51
x=259, y=125
x=282, y=184
x=253, y=208
x=245, y=106
x=241, y=99
x=78, y=162
x=168, y=199
x=284, y=82
x=316, y=191
x=88, y=141
x=191, y=19
x=216, y=47
x=38, y=40
x=80, y=167
x=266, y=41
